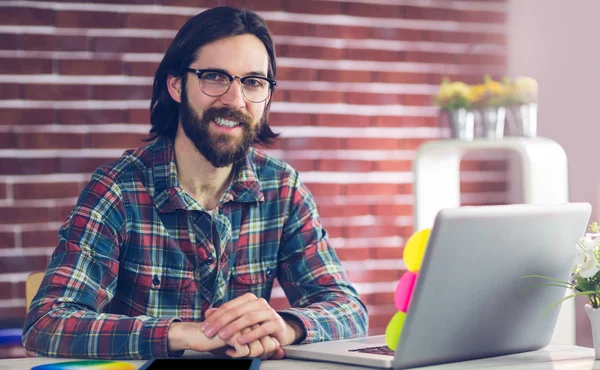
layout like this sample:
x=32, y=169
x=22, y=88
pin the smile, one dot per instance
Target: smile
x=225, y=122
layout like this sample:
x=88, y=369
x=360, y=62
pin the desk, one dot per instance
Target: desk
x=553, y=357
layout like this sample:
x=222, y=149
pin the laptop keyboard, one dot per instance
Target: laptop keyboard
x=380, y=350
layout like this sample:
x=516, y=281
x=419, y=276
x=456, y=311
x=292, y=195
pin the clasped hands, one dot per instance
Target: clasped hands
x=246, y=326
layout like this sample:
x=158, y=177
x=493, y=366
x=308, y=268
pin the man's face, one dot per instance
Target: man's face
x=207, y=121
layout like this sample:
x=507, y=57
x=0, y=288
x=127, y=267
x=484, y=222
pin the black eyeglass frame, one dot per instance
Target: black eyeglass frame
x=200, y=72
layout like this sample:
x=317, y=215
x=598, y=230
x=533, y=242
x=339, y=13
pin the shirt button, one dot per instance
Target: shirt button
x=155, y=280
x=210, y=260
x=269, y=273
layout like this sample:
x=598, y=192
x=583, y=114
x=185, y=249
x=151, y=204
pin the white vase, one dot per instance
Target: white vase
x=594, y=315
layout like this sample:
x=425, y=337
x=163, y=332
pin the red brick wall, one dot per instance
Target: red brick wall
x=356, y=80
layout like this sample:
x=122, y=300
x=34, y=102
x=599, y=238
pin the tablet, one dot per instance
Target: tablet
x=202, y=363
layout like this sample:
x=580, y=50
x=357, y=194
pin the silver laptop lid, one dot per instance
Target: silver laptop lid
x=468, y=301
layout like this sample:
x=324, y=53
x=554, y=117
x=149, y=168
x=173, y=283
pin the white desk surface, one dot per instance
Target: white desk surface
x=553, y=357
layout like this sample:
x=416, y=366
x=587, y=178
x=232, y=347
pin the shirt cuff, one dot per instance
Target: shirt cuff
x=311, y=334
x=154, y=341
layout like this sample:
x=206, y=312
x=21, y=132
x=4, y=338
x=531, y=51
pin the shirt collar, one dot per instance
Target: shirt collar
x=169, y=196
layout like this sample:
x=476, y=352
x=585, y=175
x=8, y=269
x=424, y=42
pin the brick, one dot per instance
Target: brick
x=392, y=210
x=302, y=165
x=373, y=55
x=393, y=165
x=279, y=303
x=205, y=3
x=46, y=190
x=340, y=32
x=80, y=165
x=343, y=120
x=4, y=190
x=323, y=97
x=373, y=189
x=344, y=210
x=335, y=165
x=310, y=52
x=345, y=76
x=125, y=45
x=10, y=264
x=290, y=119
x=13, y=314
x=26, y=116
x=371, y=143
x=298, y=143
x=373, y=276
x=46, y=238
x=297, y=74
x=416, y=12
x=10, y=41
x=386, y=252
x=116, y=140
x=50, y=140
x=416, y=100
x=10, y=91
x=25, y=16
x=25, y=66
x=28, y=166
x=55, y=42
x=61, y=213
x=353, y=254
x=8, y=140
x=24, y=215
x=87, y=19
x=142, y=68
x=289, y=28
x=90, y=67
x=56, y=92
x=7, y=239
x=320, y=190
x=138, y=116
x=372, y=99
x=411, y=144
x=314, y=7
x=6, y=290
x=90, y=116
x=483, y=187
x=373, y=231
x=482, y=17
x=398, y=34
x=122, y=92
x=372, y=10
x=146, y=20
x=402, y=77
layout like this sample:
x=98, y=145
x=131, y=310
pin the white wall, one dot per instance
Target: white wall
x=557, y=42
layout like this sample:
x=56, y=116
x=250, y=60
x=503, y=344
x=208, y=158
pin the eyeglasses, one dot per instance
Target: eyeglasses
x=216, y=83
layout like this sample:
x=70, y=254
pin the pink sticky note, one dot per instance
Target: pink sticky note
x=404, y=290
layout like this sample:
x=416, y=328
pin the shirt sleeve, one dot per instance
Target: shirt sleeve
x=310, y=273
x=66, y=318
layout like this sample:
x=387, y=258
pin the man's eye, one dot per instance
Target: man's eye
x=254, y=82
x=213, y=76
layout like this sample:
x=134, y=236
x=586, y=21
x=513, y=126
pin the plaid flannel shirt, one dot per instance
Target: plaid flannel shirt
x=138, y=253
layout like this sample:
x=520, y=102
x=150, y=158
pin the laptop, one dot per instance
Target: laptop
x=468, y=302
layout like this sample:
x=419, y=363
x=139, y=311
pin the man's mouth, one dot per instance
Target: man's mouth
x=226, y=122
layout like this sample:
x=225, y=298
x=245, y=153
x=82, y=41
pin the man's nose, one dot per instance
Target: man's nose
x=234, y=97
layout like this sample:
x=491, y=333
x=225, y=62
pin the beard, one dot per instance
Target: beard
x=220, y=149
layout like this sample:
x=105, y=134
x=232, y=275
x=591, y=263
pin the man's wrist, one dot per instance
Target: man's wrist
x=176, y=337
x=296, y=325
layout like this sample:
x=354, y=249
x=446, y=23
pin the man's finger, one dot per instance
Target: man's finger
x=278, y=355
x=245, y=321
x=215, y=323
x=266, y=328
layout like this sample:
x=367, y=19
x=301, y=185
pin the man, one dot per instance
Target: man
x=176, y=245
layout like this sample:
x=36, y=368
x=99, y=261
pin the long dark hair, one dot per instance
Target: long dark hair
x=206, y=27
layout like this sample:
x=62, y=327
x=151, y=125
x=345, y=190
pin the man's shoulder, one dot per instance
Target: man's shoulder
x=130, y=164
x=266, y=165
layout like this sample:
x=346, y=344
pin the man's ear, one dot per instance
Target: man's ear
x=174, y=86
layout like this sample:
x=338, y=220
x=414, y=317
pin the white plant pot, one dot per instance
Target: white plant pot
x=594, y=315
